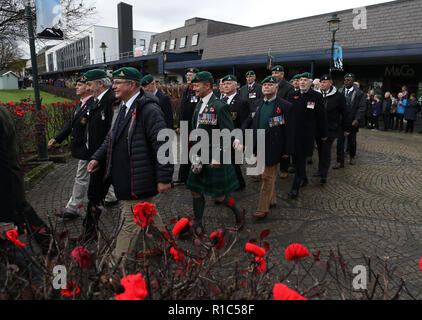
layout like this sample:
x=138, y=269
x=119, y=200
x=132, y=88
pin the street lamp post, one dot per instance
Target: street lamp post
x=104, y=48
x=334, y=26
x=39, y=125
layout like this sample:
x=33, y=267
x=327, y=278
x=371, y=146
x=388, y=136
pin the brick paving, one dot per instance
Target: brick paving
x=373, y=208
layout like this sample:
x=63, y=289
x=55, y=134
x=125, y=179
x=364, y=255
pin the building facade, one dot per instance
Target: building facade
x=86, y=50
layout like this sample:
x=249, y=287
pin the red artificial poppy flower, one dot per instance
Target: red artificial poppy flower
x=420, y=264
x=178, y=256
x=218, y=239
x=134, y=288
x=230, y=203
x=257, y=251
x=71, y=289
x=142, y=214
x=282, y=292
x=258, y=265
x=12, y=235
x=32, y=109
x=278, y=111
x=180, y=226
x=296, y=251
x=83, y=257
x=10, y=103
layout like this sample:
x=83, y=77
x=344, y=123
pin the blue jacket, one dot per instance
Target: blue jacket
x=377, y=109
x=400, y=108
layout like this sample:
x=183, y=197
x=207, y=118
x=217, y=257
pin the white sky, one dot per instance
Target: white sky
x=163, y=15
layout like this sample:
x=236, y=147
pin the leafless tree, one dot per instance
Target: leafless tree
x=75, y=13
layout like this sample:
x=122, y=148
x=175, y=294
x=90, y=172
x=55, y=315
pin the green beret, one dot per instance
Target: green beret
x=147, y=80
x=229, y=77
x=278, y=68
x=202, y=76
x=306, y=75
x=270, y=79
x=96, y=74
x=349, y=75
x=192, y=70
x=250, y=73
x=81, y=79
x=127, y=73
x=297, y=76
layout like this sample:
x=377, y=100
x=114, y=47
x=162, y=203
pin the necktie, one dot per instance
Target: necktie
x=225, y=99
x=121, y=118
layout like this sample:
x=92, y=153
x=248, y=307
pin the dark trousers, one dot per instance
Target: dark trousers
x=386, y=119
x=351, y=140
x=393, y=120
x=410, y=126
x=373, y=122
x=299, y=160
x=399, y=122
x=324, y=155
x=285, y=164
x=238, y=170
x=97, y=191
x=184, y=169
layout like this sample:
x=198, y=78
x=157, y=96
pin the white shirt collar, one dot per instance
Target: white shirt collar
x=350, y=90
x=205, y=101
x=251, y=85
x=230, y=98
x=102, y=95
x=155, y=92
x=131, y=101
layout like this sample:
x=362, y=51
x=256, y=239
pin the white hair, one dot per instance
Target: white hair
x=106, y=82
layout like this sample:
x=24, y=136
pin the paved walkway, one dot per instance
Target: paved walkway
x=373, y=208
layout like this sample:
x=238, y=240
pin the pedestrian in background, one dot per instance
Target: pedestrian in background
x=411, y=109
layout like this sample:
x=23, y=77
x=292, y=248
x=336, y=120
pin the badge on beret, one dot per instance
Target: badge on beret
x=121, y=74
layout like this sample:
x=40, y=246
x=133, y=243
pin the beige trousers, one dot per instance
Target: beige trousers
x=130, y=231
x=268, y=194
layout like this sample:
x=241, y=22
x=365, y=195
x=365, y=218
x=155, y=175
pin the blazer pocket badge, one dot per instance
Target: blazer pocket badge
x=207, y=119
x=311, y=105
x=234, y=115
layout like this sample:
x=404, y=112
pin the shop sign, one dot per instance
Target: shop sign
x=397, y=71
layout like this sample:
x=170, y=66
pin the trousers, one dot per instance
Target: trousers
x=268, y=195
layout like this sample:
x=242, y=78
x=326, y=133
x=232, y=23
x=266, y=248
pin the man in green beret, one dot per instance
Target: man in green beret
x=276, y=116
x=295, y=82
x=214, y=178
x=148, y=84
x=239, y=110
x=77, y=128
x=98, y=123
x=130, y=156
x=311, y=122
x=284, y=88
x=251, y=91
x=187, y=107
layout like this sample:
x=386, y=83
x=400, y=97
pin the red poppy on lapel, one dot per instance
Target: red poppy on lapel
x=296, y=97
x=278, y=111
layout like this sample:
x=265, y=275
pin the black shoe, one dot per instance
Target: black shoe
x=323, y=181
x=304, y=183
x=309, y=161
x=317, y=174
x=109, y=204
x=292, y=170
x=179, y=182
x=68, y=215
x=294, y=193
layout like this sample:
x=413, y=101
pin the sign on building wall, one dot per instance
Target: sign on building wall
x=338, y=57
x=49, y=19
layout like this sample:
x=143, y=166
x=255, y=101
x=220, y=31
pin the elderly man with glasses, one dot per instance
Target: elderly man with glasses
x=130, y=155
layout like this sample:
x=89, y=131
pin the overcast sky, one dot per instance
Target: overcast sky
x=163, y=15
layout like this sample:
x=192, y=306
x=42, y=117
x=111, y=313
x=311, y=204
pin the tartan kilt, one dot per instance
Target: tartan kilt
x=215, y=182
